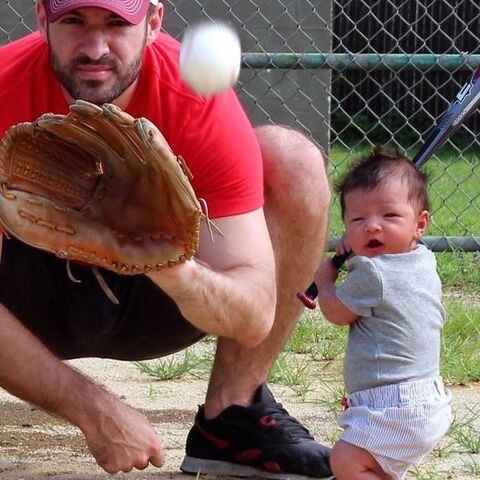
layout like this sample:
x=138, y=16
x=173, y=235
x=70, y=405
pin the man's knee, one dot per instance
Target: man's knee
x=294, y=167
x=284, y=142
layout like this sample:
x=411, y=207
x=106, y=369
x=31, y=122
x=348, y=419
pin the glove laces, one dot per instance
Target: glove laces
x=101, y=281
x=212, y=228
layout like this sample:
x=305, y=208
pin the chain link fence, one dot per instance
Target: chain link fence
x=351, y=74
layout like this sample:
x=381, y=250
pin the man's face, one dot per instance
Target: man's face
x=96, y=54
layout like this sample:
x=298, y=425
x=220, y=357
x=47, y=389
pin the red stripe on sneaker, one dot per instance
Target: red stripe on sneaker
x=247, y=457
x=218, y=442
x=272, y=467
x=266, y=421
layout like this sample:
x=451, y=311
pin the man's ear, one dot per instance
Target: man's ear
x=422, y=223
x=154, y=24
x=41, y=18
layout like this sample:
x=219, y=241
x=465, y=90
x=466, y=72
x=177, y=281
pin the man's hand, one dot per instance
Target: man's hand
x=123, y=439
x=119, y=437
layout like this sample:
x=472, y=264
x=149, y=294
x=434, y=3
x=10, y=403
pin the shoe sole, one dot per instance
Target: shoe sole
x=200, y=466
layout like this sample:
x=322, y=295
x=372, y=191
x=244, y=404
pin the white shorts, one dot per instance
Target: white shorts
x=398, y=424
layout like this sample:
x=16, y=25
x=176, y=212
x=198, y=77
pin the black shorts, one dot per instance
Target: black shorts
x=77, y=320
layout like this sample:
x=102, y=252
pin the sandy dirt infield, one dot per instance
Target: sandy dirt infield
x=34, y=445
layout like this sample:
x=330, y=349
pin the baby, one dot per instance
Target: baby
x=391, y=298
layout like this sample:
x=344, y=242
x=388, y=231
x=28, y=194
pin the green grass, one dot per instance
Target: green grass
x=459, y=271
x=177, y=366
x=292, y=371
x=472, y=466
x=320, y=340
x=464, y=431
x=460, y=361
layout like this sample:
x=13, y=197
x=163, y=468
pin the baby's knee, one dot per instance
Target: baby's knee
x=349, y=462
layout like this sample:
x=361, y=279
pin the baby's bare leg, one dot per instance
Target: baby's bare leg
x=349, y=462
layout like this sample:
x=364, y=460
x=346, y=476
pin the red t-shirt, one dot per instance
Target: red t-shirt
x=213, y=134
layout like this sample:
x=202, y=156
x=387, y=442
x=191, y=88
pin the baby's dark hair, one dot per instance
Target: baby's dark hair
x=381, y=164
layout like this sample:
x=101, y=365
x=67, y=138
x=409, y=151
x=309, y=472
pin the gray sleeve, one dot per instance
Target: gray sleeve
x=362, y=289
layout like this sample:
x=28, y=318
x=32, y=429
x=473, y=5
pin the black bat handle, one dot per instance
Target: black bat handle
x=308, y=296
x=339, y=260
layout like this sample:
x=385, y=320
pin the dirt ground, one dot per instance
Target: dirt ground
x=34, y=445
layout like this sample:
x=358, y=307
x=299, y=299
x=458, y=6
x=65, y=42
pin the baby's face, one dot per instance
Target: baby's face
x=383, y=220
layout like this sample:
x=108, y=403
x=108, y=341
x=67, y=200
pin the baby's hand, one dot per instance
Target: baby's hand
x=326, y=273
x=343, y=246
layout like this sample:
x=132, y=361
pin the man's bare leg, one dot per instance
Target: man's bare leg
x=255, y=436
x=297, y=200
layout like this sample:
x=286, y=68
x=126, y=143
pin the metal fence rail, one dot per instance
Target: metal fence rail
x=350, y=74
x=434, y=243
x=364, y=61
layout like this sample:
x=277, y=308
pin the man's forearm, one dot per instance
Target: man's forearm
x=119, y=437
x=230, y=304
x=31, y=372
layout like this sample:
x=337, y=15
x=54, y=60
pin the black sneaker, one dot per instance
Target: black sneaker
x=262, y=440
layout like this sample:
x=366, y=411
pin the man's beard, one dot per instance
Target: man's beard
x=95, y=91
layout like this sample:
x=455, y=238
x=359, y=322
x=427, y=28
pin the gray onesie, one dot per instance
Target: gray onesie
x=398, y=406
x=397, y=338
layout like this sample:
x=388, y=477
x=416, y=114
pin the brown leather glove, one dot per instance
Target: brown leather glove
x=99, y=187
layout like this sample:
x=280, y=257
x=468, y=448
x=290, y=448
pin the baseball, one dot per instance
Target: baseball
x=210, y=58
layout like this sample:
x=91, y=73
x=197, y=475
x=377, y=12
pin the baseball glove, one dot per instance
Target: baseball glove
x=99, y=187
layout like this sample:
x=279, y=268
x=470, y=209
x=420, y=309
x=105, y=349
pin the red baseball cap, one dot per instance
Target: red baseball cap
x=133, y=11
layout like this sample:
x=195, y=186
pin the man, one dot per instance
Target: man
x=268, y=194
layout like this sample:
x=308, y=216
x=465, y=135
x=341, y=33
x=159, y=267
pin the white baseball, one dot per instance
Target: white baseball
x=210, y=58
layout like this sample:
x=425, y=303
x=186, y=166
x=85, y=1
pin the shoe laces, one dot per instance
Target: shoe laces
x=286, y=422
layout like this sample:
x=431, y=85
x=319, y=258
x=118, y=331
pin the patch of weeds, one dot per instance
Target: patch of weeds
x=472, y=466
x=313, y=335
x=309, y=329
x=332, y=398
x=464, y=431
x=152, y=392
x=173, y=367
x=426, y=473
x=444, y=449
x=293, y=372
x=468, y=439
